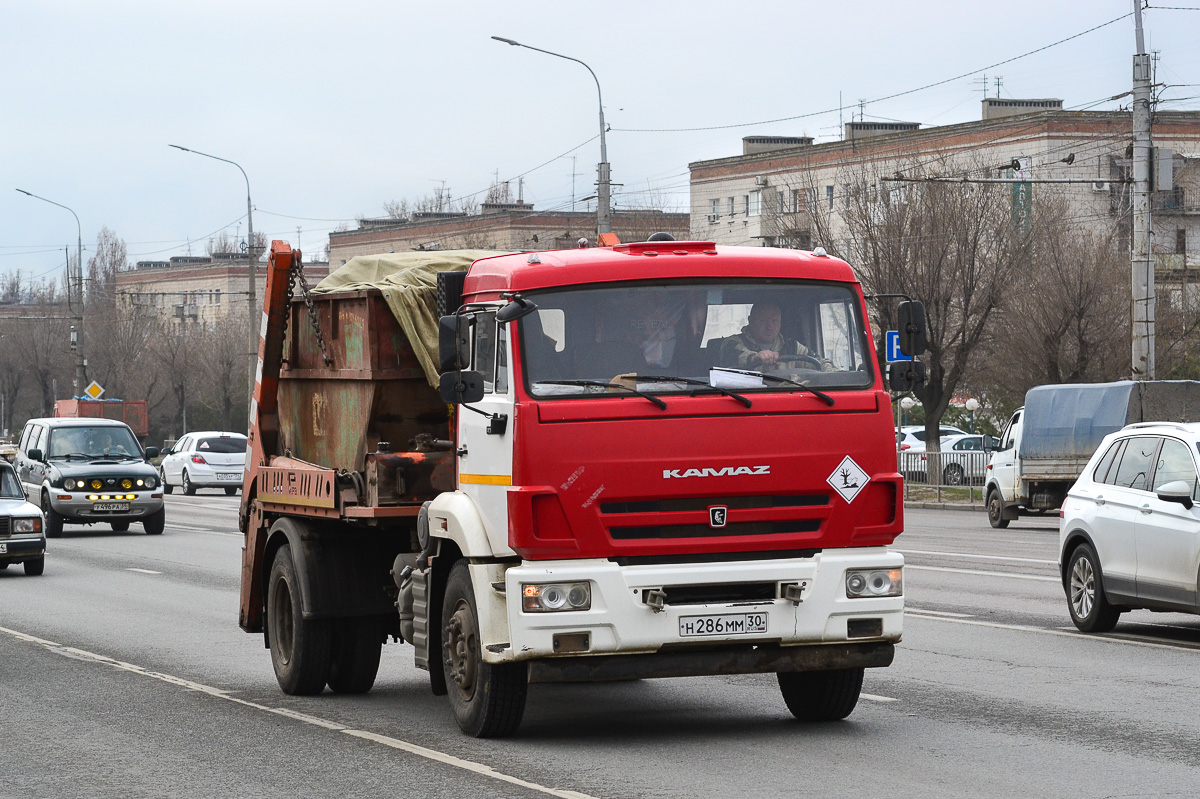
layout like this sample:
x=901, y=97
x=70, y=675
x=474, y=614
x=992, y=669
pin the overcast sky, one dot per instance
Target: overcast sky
x=333, y=109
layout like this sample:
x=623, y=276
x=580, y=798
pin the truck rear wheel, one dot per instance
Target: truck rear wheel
x=995, y=510
x=300, y=649
x=821, y=695
x=356, y=649
x=488, y=700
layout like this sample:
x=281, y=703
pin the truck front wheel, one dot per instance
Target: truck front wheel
x=821, y=695
x=995, y=510
x=488, y=700
x=300, y=649
x=356, y=649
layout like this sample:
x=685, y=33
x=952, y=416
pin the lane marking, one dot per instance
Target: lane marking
x=1013, y=575
x=1064, y=632
x=142, y=571
x=977, y=557
x=395, y=743
x=877, y=698
x=940, y=613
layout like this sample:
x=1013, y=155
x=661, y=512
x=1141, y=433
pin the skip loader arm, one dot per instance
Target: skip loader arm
x=264, y=427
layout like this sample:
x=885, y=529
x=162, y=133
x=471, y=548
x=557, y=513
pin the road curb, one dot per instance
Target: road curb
x=945, y=506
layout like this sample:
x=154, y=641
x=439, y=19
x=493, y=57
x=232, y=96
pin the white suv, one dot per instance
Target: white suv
x=1130, y=532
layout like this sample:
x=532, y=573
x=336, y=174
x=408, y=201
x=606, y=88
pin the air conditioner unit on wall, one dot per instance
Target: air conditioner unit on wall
x=1100, y=185
x=760, y=181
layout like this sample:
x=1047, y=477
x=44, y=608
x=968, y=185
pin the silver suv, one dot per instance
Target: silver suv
x=84, y=471
x=1130, y=532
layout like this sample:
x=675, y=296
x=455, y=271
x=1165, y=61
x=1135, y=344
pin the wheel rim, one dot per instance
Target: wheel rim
x=187, y=484
x=460, y=648
x=953, y=475
x=994, y=506
x=281, y=621
x=1083, y=587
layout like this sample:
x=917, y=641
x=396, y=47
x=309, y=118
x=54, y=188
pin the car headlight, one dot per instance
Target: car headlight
x=126, y=484
x=873, y=583
x=552, y=597
x=30, y=525
x=97, y=485
x=70, y=485
x=145, y=482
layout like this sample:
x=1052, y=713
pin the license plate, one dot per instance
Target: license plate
x=3, y=549
x=111, y=506
x=228, y=476
x=725, y=624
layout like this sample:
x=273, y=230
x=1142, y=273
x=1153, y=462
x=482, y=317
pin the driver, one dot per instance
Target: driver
x=761, y=347
x=105, y=443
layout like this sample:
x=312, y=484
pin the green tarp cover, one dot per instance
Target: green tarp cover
x=408, y=281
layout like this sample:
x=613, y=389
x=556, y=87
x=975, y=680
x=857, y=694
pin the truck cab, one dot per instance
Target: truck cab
x=1003, y=474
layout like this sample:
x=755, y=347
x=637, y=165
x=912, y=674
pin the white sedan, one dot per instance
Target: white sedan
x=209, y=459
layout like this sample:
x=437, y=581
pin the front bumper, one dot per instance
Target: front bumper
x=74, y=506
x=18, y=550
x=620, y=621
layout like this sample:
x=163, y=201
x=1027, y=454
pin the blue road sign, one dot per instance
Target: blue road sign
x=893, y=347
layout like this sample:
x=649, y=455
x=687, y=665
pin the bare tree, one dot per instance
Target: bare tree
x=954, y=247
x=222, y=368
x=42, y=344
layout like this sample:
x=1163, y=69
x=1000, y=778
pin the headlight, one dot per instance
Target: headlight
x=97, y=485
x=126, y=484
x=148, y=482
x=70, y=485
x=877, y=582
x=536, y=598
x=33, y=525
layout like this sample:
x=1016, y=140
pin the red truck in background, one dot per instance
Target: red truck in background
x=132, y=412
x=574, y=470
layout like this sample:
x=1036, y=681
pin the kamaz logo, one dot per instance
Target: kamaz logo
x=708, y=471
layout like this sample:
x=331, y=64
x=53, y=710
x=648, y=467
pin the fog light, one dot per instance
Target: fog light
x=126, y=484
x=876, y=582
x=539, y=598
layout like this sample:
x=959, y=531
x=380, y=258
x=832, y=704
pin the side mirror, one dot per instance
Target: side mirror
x=454, y=343
x=905, y=375
x=912, y=328
x=987, y=443
x=35, y=455
x=516, y=309
x=458, y=388
x=1176, y=491
x=151, y=452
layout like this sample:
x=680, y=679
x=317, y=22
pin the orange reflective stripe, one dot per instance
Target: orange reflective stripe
x=486, y=479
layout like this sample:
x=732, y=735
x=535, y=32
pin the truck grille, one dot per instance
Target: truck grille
x=704, y=531
x=703, y=503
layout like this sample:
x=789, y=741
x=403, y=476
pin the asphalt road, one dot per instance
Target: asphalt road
x=123, y=673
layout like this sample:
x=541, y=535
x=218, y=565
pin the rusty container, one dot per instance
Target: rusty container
x=375, y=390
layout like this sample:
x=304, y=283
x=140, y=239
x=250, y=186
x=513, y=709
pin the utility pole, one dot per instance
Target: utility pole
x=1142, y=258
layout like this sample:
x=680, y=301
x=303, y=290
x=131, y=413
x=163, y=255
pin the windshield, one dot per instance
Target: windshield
x=723, y=334
x=224, y=444
x=10, y=486
x=93, y=442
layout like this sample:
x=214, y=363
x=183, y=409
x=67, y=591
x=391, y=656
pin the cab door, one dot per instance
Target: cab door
x=485, y=431
x=1004, y=459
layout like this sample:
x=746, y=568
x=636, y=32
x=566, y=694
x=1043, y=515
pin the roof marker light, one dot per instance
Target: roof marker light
x=819, y=252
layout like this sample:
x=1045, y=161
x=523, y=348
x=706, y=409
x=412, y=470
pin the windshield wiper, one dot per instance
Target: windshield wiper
x=603, y=384
x=71, y=455
x=828, y=400
x=694, y=382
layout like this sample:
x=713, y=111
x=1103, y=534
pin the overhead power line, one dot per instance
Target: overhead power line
x=877, y=99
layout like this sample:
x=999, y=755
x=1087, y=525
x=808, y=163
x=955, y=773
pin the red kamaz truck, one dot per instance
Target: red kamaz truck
x=646, y=460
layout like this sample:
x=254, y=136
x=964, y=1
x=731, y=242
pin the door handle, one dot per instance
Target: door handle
x=1146, y=509
x=1099, y=500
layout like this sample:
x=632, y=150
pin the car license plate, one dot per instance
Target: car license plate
x=725, y=624
x=111, y=506
x=228, y=476
x=3, y=549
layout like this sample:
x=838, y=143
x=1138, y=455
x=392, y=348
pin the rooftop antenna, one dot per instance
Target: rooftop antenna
x=983, y=84
x=999, y=82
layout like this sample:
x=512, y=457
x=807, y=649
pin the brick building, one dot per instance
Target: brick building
x=498, y=226
x=771, y=193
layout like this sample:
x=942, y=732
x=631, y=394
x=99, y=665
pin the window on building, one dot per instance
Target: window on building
x=754, y=203
x=714, y=210
x=829, y=197
x=1180, y=240
x=218, y=302
x=729, y=206
x=797, y=202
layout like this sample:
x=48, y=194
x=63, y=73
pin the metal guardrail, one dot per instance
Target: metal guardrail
x=945, y=470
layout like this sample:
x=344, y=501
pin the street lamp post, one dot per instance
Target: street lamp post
x=604, y=184
x=77, y=311
x=251, y=259
x=972, y=405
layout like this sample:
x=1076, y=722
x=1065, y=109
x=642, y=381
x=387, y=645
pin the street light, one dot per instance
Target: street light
x=603, y=214
x=908, y=403
x=972, y=405
x=77, y=311
x=251, y=258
